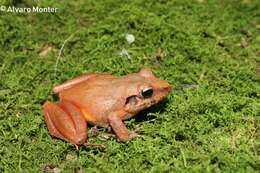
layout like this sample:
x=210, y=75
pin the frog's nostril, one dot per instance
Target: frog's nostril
x=168, y=89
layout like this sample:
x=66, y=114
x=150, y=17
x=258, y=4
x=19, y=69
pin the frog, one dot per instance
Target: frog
x=104, y=100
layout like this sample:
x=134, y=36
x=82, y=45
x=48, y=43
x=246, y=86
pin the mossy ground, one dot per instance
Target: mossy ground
x=208, y=50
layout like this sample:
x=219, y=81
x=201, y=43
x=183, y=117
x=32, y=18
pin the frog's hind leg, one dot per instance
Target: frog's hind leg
x=65, y=121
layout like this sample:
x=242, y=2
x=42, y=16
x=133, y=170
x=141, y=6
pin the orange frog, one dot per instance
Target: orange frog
x=103, y=100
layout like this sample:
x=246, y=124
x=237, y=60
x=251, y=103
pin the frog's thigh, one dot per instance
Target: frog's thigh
x=118, y=126
x=65, y=121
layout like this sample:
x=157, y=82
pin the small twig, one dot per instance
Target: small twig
x=37, y=75
x=60, y=52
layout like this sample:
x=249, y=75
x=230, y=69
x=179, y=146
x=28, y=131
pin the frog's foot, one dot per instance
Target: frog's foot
x=93, y=131
x=133, y=135
x=106, y=136
x=65, y=121
x=89, y=145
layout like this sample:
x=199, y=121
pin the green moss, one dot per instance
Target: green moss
x=207, y=50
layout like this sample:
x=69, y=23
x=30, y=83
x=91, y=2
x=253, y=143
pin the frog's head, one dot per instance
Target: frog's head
x=150, y=91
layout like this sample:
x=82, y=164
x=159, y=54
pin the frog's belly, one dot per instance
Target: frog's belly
x=93, y=119
x=89, y=117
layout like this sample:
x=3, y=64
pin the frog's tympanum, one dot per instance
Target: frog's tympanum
x=103, y=100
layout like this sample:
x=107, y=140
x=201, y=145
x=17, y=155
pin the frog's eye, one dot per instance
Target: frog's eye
x=147, y=92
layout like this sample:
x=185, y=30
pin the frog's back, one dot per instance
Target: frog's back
x=97, y=97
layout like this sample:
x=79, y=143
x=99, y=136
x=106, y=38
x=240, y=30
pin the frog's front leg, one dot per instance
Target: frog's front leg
x=65, y=121
x=119, y=127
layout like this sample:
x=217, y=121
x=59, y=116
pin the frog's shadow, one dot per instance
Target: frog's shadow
x=143, y=115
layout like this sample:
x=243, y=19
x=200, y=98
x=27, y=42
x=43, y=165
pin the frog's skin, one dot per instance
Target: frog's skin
x=103, y=100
